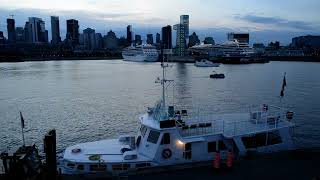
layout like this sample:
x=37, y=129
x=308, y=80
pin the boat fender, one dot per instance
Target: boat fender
x=166, y=153
x=76, y=150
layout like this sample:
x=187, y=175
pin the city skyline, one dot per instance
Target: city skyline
x=271, y=20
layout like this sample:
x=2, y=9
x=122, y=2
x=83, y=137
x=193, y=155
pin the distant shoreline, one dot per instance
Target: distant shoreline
x=269, y=58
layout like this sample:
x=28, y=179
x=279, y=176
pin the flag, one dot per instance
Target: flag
x=22, y=120
x=284, y=84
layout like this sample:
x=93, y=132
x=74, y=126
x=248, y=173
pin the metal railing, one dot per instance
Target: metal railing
x=258, y=120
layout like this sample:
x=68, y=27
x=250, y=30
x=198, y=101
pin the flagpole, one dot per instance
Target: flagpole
x=23, y=136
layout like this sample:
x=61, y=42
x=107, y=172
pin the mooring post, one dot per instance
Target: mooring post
x=50, y=151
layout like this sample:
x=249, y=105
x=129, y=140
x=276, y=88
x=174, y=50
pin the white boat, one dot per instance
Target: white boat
x=169, y=138
x=206, y=63
x=141, y=53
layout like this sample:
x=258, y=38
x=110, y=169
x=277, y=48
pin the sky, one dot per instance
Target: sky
x=265, y=20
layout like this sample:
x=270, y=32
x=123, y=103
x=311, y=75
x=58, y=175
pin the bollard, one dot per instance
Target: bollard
x=50, y=151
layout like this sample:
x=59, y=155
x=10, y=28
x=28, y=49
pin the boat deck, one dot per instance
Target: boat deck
x=107, y=150
x=230, y=125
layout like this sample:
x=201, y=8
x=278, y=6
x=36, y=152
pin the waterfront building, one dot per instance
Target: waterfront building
x=193, y=40
x=111, y=41
x=28, y=32
x=182, y=35
x=138, y=40
x=129, y=34
x=259, y=48
x=89, y=39
x=158, y=38
x=81, y=39
x=209, y=40
x=20, y=34
x=306, y=42
x=149, y=38
x=11, y=31
x=166, y=37
x=2, y=39
x=99, y=41
x=55, y=30
x=36, y=28
x=240, y=37
x=72, y=31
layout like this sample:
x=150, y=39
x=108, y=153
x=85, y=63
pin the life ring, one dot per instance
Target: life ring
x=166, y=153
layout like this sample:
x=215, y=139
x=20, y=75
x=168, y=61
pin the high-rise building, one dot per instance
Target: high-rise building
x=55, y=30
x=36, y=28
x=181, y=40
x=209, y=40
x=193, y=40
x=1, y=38
x=99, y=41
x=240, y=37
x=149, y=38
x=184, y=20
x=111, y=41
x=11, y=28
x=137, y=39
x=89, y=39
x=20, y=34
x=166, y=37
x=28, y=32
x=158, y=38
x=129, y=34
x=182, y=35
x=73, y=31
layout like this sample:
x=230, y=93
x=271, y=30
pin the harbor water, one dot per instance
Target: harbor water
x=99, y=99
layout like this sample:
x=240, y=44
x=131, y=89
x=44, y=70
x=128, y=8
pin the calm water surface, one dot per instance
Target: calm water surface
x=94, y=100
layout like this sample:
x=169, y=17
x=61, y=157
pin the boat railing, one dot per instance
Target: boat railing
x=267, y=119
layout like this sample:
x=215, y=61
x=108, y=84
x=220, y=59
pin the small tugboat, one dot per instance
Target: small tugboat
x=217, y=76
x=206, y=63
x=170, y=138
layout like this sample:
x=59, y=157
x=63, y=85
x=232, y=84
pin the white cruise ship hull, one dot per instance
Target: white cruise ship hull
x=140, y=58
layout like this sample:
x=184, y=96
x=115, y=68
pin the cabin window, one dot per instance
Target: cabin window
x=222, y=146
x=71, y=165
x=212, y=146
x=187, y=151
x=120, y=166
x=165, y=138
x=153, y=137
x=262, y=139
x=143, y=130
x=96, y=167
x=80, y=167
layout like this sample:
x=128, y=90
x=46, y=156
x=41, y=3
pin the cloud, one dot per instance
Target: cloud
x=276, y=22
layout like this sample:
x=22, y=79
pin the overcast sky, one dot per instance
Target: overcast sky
x=266, y=20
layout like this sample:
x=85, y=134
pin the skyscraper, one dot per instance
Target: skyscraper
x=55, y=30
x=111, y=41
x=193, y=40
x=11, y=31
x=184, y=20
x=73, y=31
x=37, y=30
x=129, y=34
x=209, y=40
x=99, y=41
x=28, y=32
x=149, y=38
x=1, y=38
x=166, y=37
x=20, y=34
x=158, y=38
x=89, y=39
x=138, y=40
x=182, y=35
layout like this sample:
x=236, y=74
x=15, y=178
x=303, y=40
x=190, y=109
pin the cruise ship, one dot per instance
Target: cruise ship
x=170, y=138
x=230, y=49
x=141, y=53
